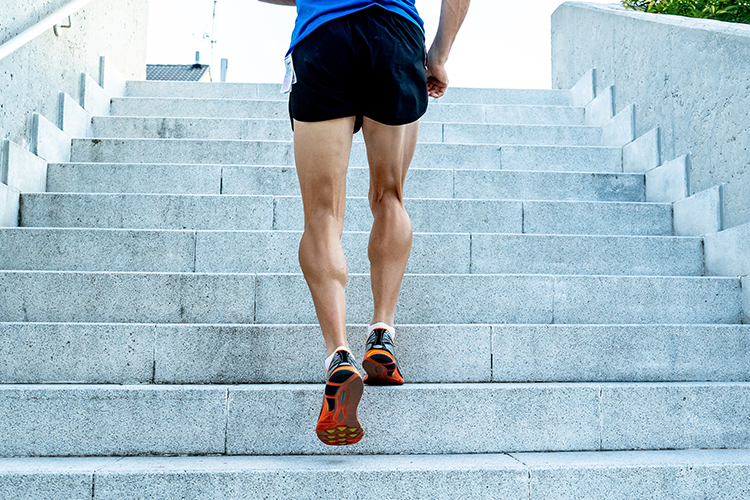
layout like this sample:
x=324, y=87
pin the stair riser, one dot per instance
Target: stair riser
x=280, y=130
x=218, y=129
x=285, y=299
x=39, y=353
x=276, y=252
x=513, y=134
x=252, y=109
x=122, y=420
x=715, y=474
x=285, y=213
x=282, y=181
x=280, y=153
x=273, y=91
x=451, y=156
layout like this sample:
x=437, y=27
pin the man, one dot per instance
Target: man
x=359, y=64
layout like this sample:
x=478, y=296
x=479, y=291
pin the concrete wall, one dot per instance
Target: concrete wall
x=31, y=77
x=689, y=77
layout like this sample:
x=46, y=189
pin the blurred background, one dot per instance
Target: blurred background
x=501, y=44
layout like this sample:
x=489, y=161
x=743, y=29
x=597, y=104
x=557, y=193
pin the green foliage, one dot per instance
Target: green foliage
x=736, y=11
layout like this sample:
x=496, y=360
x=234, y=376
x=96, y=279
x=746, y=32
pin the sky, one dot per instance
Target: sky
x=502, y=44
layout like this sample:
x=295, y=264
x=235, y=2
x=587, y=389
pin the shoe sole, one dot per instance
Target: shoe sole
x=338, y=424
x=381, y=368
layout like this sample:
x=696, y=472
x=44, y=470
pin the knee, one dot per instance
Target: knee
x=387, y=198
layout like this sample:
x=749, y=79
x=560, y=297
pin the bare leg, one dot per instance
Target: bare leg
x=389, y=153
x=321, y=152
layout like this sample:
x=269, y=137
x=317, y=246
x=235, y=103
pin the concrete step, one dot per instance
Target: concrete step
x=272, y=109
x=64, y=249
x=281, y=153
x=251, y=212
x=282, y=181
x=619, y=475
x=93, y=297
x=280, y=130
x=202, y=90
x=86, y=420
x=95, y=353
x=555, y=135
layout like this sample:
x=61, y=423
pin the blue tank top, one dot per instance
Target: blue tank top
x=313, y=13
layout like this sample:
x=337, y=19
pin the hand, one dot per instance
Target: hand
x=437, y=78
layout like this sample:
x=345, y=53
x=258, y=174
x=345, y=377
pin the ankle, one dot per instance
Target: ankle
x=384, y=326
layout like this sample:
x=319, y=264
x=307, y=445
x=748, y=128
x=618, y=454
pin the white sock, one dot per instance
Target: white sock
x=329, y=359
x=384, y=326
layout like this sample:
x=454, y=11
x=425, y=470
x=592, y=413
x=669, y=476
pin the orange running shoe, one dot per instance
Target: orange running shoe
x=338, y=424
x=380, y=360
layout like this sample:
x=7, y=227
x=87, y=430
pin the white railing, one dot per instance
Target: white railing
x=48, y=22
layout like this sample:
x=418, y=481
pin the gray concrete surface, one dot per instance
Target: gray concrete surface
x=417, y=477
x=9, y=205
x=57, y=249
x=44, y=478
x=669, y=182
x=49, y=296
x=658, y=475
x=561, y=158
x=716, y=474
x=704, y=113
x=531, y=185
x=39, y=353
x=638, y=300
x=93, y=98
x=217, y=128
x=699, y=214
x=33, y=75
x=47, y=141
x=728, y=252
x=72, y=118
x=21, y=169
x=544, y=416
x=620, y=353
x=675, y=416
x=620, y=130
x=468, y=133
x=584, y=91
x=144, y=211
x=746, y=300
x=135, y=178
x=565, y=254
x=431, y=299
x=601, y=109
x=597, y=218
x=249, y=354
x=64, y=420
x=643, y=154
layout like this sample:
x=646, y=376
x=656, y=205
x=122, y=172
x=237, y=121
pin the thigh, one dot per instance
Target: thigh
x=321, y=153
x=389, y=153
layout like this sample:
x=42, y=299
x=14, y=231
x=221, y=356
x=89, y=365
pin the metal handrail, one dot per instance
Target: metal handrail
x=48, y=22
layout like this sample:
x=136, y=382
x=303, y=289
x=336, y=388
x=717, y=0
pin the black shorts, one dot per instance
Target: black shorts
x=370, y=63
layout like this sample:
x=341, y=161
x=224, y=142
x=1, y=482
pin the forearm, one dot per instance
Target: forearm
x=452, y=14
x=281, y=2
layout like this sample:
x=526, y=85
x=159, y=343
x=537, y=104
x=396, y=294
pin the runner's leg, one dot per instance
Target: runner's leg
x=321, y=152
x=389, y=152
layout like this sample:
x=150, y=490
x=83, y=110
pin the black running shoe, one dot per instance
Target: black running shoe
x=380, y=360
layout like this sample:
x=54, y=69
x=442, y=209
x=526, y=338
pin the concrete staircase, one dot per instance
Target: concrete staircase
x=158, y=339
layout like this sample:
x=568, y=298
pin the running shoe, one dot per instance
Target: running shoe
x=380, y=360
x=338, y=424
